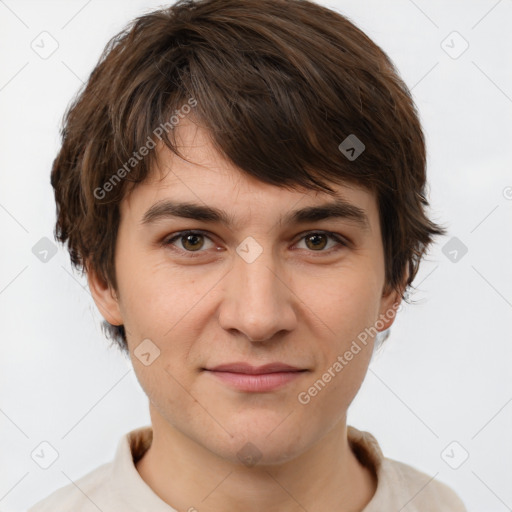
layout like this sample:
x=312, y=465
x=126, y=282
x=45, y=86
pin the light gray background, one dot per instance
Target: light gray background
x=444, y=374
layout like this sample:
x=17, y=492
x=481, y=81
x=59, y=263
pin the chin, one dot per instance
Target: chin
x=262, y=444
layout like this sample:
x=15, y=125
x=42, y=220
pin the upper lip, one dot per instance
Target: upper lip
x=241, y=367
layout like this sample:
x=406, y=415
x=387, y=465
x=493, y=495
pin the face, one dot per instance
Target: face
x=257, y=287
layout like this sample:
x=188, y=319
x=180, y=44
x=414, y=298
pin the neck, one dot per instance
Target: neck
x=188, y=476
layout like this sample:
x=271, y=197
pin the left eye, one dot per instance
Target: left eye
x=319, y=240
x=193, y=241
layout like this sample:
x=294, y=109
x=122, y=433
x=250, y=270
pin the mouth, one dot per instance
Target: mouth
x=248, y=378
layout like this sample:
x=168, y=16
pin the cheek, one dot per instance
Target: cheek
x=170, y=313
x=344, y=358
x=153, y=300
x=349, y=310
x=346, y=305
x=326, y=397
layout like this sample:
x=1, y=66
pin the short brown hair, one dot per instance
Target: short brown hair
x=278, y=84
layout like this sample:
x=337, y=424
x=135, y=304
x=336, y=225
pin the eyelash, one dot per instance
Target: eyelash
x=195, y=254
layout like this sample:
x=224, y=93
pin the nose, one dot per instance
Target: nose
x=257, y=300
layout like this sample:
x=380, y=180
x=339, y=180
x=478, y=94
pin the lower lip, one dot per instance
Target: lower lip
x=256, y=383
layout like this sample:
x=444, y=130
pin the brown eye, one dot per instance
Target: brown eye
x=316, y=241
x=192, y=242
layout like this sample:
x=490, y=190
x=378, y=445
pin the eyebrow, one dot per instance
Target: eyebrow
x=340, y=208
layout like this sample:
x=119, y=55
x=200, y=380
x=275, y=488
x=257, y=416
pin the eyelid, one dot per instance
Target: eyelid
x=336, y=236
x=341, y=242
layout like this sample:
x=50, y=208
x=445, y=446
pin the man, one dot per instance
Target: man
x=243, y=182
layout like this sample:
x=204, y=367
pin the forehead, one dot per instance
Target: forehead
x=205, y=177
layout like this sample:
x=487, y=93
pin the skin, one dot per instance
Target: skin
x=296, y=304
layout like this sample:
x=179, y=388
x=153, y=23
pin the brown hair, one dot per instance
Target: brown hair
x=278, y=84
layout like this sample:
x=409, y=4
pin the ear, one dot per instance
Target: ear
x=390, y=302
x=388, y=308
x=105, y=298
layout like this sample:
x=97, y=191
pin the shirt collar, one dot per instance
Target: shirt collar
x=128, y=485
x=125, y=481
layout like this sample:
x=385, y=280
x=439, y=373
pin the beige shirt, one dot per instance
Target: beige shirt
x=118, y=487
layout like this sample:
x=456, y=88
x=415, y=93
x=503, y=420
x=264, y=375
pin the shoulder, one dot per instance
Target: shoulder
x=420, y=491
x=115, y=485
x=86, y=494
x=400, y=486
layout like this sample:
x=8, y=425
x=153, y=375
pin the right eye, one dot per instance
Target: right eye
x=191, y=241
